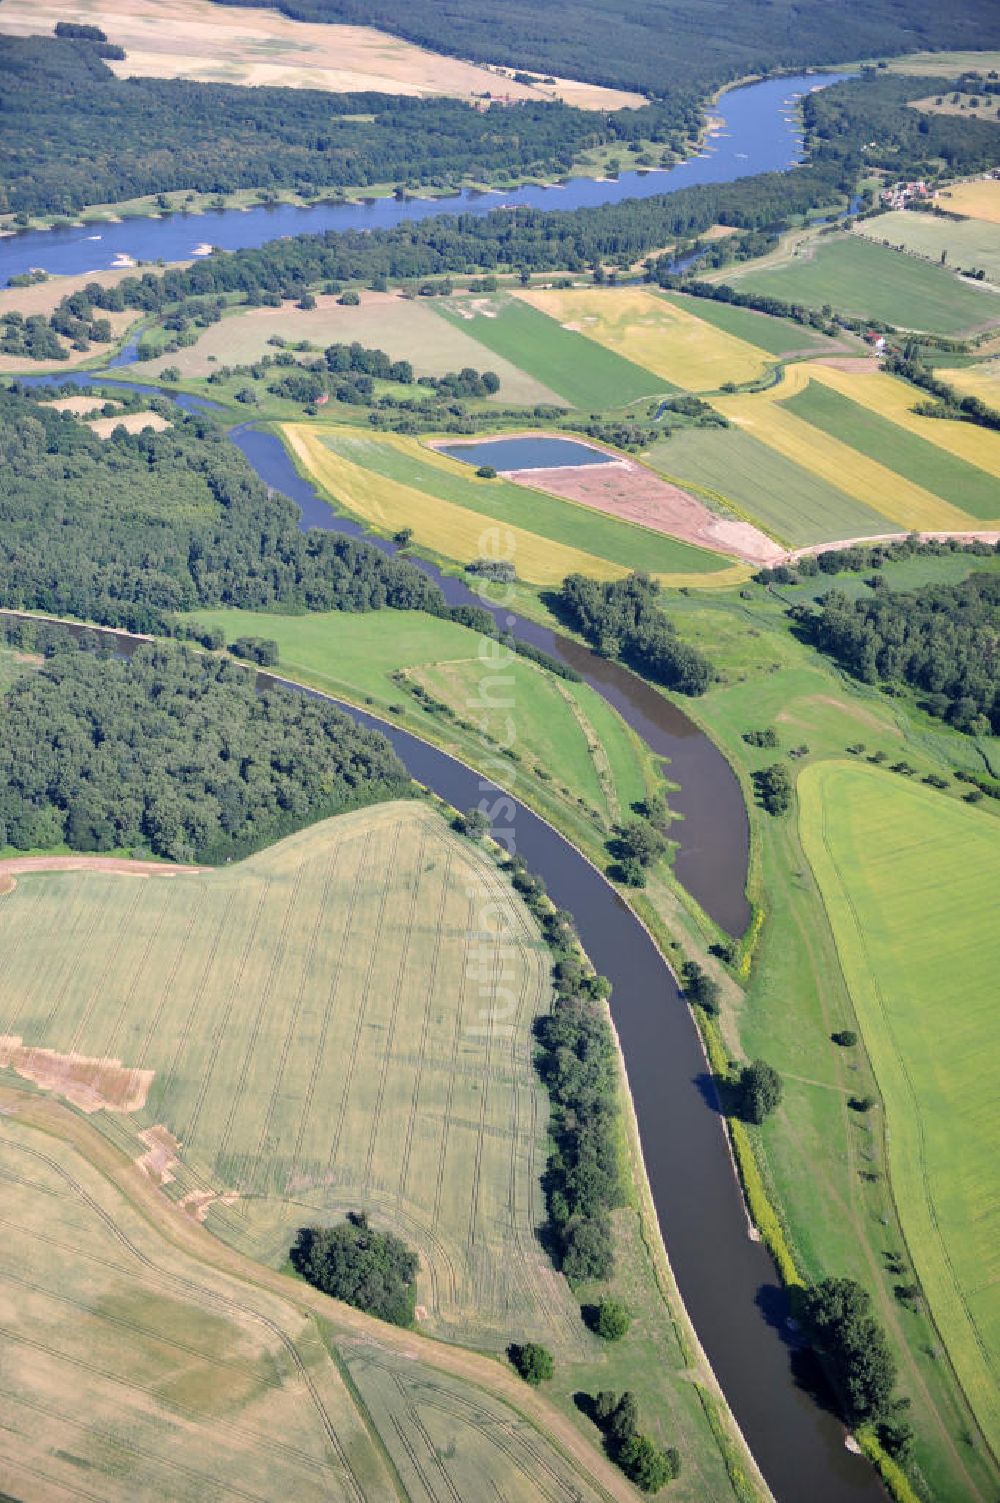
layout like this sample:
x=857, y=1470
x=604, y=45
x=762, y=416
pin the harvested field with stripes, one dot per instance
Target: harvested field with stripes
x=308, y=1056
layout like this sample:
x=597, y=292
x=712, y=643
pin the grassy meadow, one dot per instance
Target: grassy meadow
x=968, y=245
x=584, y=374
x=865, y=280
x=909, y=881
x=793, y=503
x=666, y=336
x=394, y=482
x=572, y=757
x=778, y=336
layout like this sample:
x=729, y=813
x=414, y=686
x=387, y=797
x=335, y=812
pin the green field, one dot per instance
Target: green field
x=781, y=496
x=549, y=517
x=577, y=762
x=585, y=373
x=910, y=883
x=779, y=336
x=869, y=281
x=969, y=244
x=946, y=475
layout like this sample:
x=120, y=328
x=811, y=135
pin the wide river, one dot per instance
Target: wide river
x=759, y=133
x=726, y=1279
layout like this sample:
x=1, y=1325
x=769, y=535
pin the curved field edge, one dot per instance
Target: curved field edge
x=122, y=1186
x=835, y=800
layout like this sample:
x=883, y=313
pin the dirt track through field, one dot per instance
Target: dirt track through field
x=22, y=866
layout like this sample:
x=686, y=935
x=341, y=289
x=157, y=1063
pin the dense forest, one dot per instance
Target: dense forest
x=623, y=620
x=175, y=752
x=72, y=134
x=940, y=640
x=665, y=45
x=125, y=530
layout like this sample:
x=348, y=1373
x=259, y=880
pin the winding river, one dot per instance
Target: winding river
x=727, y=1280
x=757, y=132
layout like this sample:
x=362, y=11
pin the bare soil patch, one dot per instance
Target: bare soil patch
x=630, y=491
x=163, y=1151
x=854, y=365
x=13, y=866
x=79, y=406
x=88, y=1083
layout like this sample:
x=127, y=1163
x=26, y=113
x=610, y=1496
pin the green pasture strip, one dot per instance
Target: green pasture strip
x=584, y=372
x=778, y=336
x=866, y=280
x=916, y=459
x=908, y=574
x=550, y=517
x=355, y=654
x=796, y=506
x=909, y=881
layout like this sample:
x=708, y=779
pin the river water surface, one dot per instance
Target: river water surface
x=758, y=133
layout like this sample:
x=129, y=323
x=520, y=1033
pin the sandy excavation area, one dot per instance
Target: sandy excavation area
x=208, y=43
x=630, y=491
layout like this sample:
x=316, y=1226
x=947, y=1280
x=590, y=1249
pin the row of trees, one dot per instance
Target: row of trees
x=623, y=619
x=939, y=640
x=175, y=752
x=126, y=530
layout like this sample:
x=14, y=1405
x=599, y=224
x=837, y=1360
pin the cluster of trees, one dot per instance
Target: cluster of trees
x=175, y=752
x=30, y=338
x=532, y=1361
x=860, y=557
x=650, y=1468
x=837, y=1316
x=373, y=1271
x=948, y=403
x=939, y=640
x=825, y=320
x=623, y=619
x=774, y=787
x=126, y=530
x=72, y=133
x=666, y=45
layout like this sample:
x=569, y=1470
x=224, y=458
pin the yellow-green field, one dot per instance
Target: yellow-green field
x=144, y=1360
x=835, y=460
x=909, y=880
x=979, y=199
x=667, y=339
x=310, y=1055
x=392, y=481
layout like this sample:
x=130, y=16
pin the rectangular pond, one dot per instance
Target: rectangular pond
x=529, y=452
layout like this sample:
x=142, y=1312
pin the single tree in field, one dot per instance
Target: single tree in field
x=534, y=1363
x=612, y=1319
x=760, y=1091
